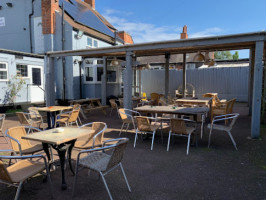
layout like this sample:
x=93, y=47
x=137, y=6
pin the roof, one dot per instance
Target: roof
x=20, y=53
x=82, y=14
x=191, y=45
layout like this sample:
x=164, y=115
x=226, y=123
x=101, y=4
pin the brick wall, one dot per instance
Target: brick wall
x=126, y=37
x=48, y=16
x=90, y=2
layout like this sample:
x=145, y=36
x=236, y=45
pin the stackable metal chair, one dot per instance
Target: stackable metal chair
x=114, y=106
x=2, y=120
x=231, y=118
x=26, y=119
x=127, y=118
x=100, y=161
x=68, y=119
x=22, y=170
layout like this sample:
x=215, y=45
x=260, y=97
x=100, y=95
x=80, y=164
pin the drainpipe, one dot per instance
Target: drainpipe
x=80, y=81
x=63, y=58
x=30, y=15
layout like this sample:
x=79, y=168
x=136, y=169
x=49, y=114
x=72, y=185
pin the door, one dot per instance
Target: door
x=37, y=85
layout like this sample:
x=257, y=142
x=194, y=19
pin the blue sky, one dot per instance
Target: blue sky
x=157, y=20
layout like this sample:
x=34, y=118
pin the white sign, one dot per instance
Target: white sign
x=2, y=21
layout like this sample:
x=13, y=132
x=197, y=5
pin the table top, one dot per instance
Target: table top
x=84, y=100
x=172, y=109
x=52, y=137
x=53, y=108
x=189, y=100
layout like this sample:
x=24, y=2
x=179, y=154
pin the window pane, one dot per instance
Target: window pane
x=111, y=76
x=2, y=66
x=89, y=61
x=99, y=73
x=36, y=76
x=22, y=70
x=95, y=43
x=89, y=73
x=3, y=75
x=89, y=42
x=99, y=61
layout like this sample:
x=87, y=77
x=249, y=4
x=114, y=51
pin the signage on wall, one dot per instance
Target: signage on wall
x=2, y=21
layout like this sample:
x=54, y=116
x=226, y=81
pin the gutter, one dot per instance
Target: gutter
x=30, y=15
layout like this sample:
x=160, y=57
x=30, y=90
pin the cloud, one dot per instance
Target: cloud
x=146, y=32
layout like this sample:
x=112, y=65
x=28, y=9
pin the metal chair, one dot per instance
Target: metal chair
x=178, y=127
x=127, y=118
x=145, y=126
x=22, y=170
x=2, y=120
x=113, y=106
x=74, y=107
x=34, y=114
x=227, y=108
x=92, y=140
x=223, y=127
x=26, y=120
x=99, y=161
x=68, y=119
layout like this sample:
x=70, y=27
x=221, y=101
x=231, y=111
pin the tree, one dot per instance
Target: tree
x=236, y=56
x=223, y=55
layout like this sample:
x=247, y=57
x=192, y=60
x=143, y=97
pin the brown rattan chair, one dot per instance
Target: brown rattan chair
x=34, y=114
x=178, y=127
x=26, y=120
x=145, y=126
x=68, y=119
x=2, y=120
x=74, y=107
x=114, y=106
x=92, y=140
x=127, y=118
x=155, y=97
x=22, y=170
x=227, y=108
x=223, y=127
x=103, y=163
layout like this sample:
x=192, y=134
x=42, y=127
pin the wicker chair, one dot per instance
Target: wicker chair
x=178, y=127
x=222, y=127
x=68, y=119
x=114, y=106
x=92, y=140
x=20, y=146
x=26, y=120
x=145, y=126
x=155, y=97
x=34, y=114
x=127, y=118
x=2, y=120
x=66, y=113
x=226, y=108
x=19, y=172
x=103, y=163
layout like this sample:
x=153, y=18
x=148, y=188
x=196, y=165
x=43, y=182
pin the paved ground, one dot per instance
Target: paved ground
x=216, y=173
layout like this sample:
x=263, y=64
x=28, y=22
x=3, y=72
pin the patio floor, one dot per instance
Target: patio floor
x=220, y=172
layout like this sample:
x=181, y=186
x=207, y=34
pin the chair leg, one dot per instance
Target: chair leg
x=202, y=126
x=106, y=186
x=153, y=135
x=127, y=127
x=111, y=111
x=121, y=128
x=75, y=180
x=188, y=143
x=136, y=138
x=169, y=138
x=122, y=169
x=209, y=143
x=233, y=141
x=18, y=190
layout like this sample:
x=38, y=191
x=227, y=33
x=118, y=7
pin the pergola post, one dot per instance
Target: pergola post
x=184, y=75
x=251, y=80
x=104, y=81
x=166, y=76
x=49, y=81
x=257, y=90
x=128, y=81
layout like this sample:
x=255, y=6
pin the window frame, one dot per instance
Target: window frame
x=4, y=70
x=27, y=70
x=94, y=43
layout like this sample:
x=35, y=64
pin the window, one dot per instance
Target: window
x=22, y=70
x=92, y=42
x=3, y=71
x=89, y=74
x=111, y=74
x=99, y=73
x=89, y=42
x=95, y=43
x=36, y=76
x=99, y=62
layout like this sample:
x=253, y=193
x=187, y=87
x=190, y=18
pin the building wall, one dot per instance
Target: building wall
x=228, y=82
x=25, y=94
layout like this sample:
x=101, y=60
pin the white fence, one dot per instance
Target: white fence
x=228, y=82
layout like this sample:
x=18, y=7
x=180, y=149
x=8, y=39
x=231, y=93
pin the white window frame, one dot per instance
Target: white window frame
x=93, y=42
x=4, y=70
x=27, y=70
x=89, y=66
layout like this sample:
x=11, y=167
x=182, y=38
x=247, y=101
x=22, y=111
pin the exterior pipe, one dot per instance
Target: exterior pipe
x=30, y=15
x=63, y=58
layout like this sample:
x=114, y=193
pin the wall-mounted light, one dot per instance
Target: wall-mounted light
x=76, y=61
x=114, y=62
x=10, y=5
x=79, y=34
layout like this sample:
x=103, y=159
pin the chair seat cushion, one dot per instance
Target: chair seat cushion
x=24, y=169
x=219, y=127
x=97, y=161
x=33, y=149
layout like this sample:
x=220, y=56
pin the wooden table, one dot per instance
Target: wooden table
x=197, y=102
x=51, y=113
x=89, y=105
x=62, y=142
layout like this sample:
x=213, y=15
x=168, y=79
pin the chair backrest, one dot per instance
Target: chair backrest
x=2, y=120
x=229, y=106
x=76, y=107
x=73, y=116
x=98, y=127
x=33, y=112
x=143, y=123
x=214, y=96
x=4, y=175
x=113, y=103
x=118, y=153
x=122, y=114
x=178, y=126
x=22, y=118
x=233, y=120
x=121, y=102
x=17, y=133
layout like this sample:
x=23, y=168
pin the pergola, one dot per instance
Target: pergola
x=255, y=42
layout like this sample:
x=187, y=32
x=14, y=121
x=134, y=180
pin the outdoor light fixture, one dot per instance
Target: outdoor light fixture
x=9, y=4
x=114, y=62
x=76, y=61
x=79, y=34
x=199, y=57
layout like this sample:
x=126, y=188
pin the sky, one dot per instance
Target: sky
x=158, y=20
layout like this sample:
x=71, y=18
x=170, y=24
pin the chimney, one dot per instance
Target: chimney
x=91, y=3
x=183, y=35
x=126, y=37
x=48, y=16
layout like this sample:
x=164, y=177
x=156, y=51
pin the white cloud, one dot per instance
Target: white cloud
x=145, y=32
